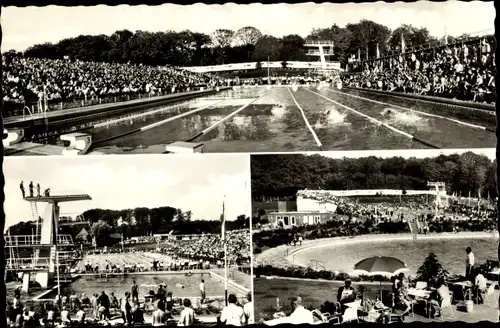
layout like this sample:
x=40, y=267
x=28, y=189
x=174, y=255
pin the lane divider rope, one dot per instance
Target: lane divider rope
x=224, y=119
x=123, y=119
x=318, y=142
x=156, y=124
x=378, y=122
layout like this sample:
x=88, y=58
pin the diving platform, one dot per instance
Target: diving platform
x=45, y=263
x=58, y=198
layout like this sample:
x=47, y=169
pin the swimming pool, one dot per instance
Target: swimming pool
x=342, y=256
x=179, y=284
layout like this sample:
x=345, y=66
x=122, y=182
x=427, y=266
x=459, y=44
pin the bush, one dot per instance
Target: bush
x=431, y=270
x=302, y=272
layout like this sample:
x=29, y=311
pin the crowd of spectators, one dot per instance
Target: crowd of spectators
x=211, y=247
x=353, y=217
x=28, y=79
x=460, y=71
x=79, y=310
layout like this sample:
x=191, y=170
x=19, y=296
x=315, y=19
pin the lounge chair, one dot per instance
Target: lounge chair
x=489, y=297
x=350, y=315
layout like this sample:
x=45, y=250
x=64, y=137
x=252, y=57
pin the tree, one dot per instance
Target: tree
x=222, y=38
x=247, y=35
x=293, y=48
x=100, y=230
x=268, y=47
x=366, y=35
x=431, y=270
x=412, y=35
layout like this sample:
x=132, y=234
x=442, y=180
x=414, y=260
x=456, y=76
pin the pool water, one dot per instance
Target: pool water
x=179, y=284
x=450, y=253
x=276, y=122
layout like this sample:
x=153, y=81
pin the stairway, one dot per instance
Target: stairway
x=413, y=225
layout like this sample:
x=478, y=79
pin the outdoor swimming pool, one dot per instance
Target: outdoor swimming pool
x=450, y=252
x=178, y=283
x=284, y=119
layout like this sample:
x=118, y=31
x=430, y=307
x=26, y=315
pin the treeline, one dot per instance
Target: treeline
x=224, y=46
x=106, y=225
x=281, y=176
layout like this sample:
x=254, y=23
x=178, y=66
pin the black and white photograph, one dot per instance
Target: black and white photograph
x=377, y=236
x=248, y=78
x=156, y=241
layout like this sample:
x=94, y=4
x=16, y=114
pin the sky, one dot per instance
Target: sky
x=24, y=27
x=120, y=182
x=418, y=153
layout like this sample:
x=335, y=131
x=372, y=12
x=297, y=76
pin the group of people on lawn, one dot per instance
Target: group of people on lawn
x=401, y=299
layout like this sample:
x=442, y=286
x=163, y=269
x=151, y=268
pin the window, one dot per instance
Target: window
x=293, y=220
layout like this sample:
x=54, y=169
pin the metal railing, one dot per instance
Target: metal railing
x=33, y=240
x=317, y=52
x=314, y=42
x=316, y=265
x=28, y=263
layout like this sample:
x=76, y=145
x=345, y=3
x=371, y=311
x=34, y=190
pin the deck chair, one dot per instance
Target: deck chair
x=446, y=303
x=350, y=315
x=421, y=285
x=489, y=297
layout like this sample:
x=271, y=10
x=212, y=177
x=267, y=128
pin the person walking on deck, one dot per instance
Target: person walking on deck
x=38, y=190
x=135, y=292
x=469, y=263
x=202, y=291
x=21, y=186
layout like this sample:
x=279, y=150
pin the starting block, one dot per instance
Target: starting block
x=79, y=143
x=12, y=136
x=181, y=147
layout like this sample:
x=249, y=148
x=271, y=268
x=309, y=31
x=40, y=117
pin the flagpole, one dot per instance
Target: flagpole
x=251, y=259
x=225, y=247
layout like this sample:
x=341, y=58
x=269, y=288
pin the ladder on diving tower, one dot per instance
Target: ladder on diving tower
x=37, y=237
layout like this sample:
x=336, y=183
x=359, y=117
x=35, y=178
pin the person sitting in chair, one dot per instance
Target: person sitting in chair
x=401, y=295
x=479, y=286
x=437, y=297
x=346, y=294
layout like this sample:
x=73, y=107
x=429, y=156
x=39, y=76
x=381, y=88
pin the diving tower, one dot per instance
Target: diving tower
x=323, y=50
x=45, y=260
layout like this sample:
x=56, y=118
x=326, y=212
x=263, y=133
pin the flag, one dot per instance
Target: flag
x=378, y=51
x=403, y=45
x=366, y=52
x=223, y=222
x=359, y=54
